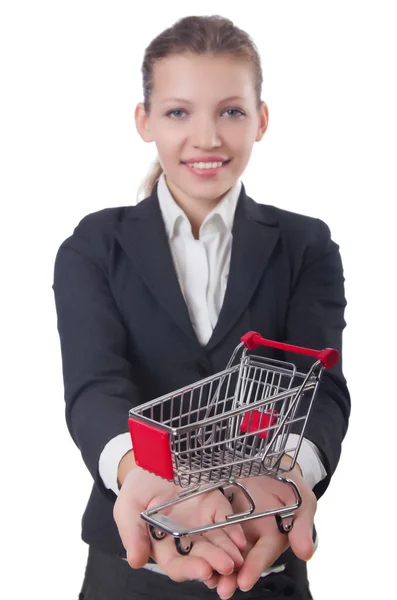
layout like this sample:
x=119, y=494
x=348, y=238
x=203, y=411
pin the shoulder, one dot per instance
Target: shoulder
x=304, y=239
x=93, y=237
x=294, y=227
x=102, y=221
x=96, y=231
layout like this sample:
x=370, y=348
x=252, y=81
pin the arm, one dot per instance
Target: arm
x=98, y=381
x=99, y=391
x=315, y=319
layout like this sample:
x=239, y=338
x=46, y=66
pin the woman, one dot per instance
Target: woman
x=155, y=296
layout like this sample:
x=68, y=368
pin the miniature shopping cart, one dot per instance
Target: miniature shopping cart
x=229, y=426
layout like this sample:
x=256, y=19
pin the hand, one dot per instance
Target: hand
x=218, y=550
x=264, y=541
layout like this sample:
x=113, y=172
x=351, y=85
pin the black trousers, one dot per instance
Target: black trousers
x=111, y=578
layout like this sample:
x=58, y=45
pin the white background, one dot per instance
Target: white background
x=70, y=79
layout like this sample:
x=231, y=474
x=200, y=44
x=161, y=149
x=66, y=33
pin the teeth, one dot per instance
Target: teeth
x=207, y=165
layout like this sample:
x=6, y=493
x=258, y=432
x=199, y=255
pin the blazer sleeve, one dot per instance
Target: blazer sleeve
x=315, y=319
x=98, y=381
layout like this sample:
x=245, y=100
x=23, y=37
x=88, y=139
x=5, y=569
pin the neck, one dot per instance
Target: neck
x=195, y=210
x=196, y=213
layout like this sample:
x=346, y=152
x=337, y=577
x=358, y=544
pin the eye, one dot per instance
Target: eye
x=177, y=110
x=235, y=110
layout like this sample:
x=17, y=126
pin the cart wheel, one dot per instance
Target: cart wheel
x=283, y=528
x=156, y=534
x=183, y=547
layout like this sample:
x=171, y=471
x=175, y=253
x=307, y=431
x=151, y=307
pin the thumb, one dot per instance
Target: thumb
x=300, y=536
x=132, y=528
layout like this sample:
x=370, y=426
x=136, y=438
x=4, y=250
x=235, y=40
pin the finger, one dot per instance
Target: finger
x=220, y=539
x=227, y=585
x=262, y=556
x=203, y=559
x=183, y=568
x=300, y=536
x=216, y=556
x=132, y=530
x=213, y=581
x=234, y=532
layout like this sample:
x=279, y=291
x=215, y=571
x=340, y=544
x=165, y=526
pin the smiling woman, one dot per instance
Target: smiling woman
x=154, y=297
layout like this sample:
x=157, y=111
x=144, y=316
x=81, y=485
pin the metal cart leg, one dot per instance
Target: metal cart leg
x=284, y=527
x=157, y=534
x=183, y=545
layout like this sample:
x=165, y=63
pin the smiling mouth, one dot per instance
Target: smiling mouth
x=204, y=162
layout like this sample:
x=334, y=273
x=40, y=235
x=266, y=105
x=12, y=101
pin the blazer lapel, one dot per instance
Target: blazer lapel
x=143, y=237
x=255, y=234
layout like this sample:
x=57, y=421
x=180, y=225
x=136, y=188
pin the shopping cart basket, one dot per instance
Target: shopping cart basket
x=229, y=426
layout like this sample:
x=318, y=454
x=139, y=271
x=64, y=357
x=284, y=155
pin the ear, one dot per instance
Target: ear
x=142, y=123
x=263, y=121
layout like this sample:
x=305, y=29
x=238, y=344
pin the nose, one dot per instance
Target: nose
x=205, y=133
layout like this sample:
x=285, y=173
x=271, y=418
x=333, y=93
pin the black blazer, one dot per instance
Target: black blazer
x=126, y=336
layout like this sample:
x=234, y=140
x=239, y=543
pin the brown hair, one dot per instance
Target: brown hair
x=197, y=35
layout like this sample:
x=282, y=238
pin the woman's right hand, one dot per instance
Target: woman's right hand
x=215, y=551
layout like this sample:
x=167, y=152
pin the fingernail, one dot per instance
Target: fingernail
x=228, y=571
x=245, y=589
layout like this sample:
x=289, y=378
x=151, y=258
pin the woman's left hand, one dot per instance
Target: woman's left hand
x=265, y=542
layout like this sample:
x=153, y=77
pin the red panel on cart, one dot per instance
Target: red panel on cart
x=254, y=420
x=151, y=448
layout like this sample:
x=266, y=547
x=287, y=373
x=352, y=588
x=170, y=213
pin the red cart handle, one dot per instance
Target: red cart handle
x=329, y=357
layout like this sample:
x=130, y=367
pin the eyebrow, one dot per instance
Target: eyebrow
x=188, y=101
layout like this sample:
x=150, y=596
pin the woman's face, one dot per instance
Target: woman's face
x=202, y=107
